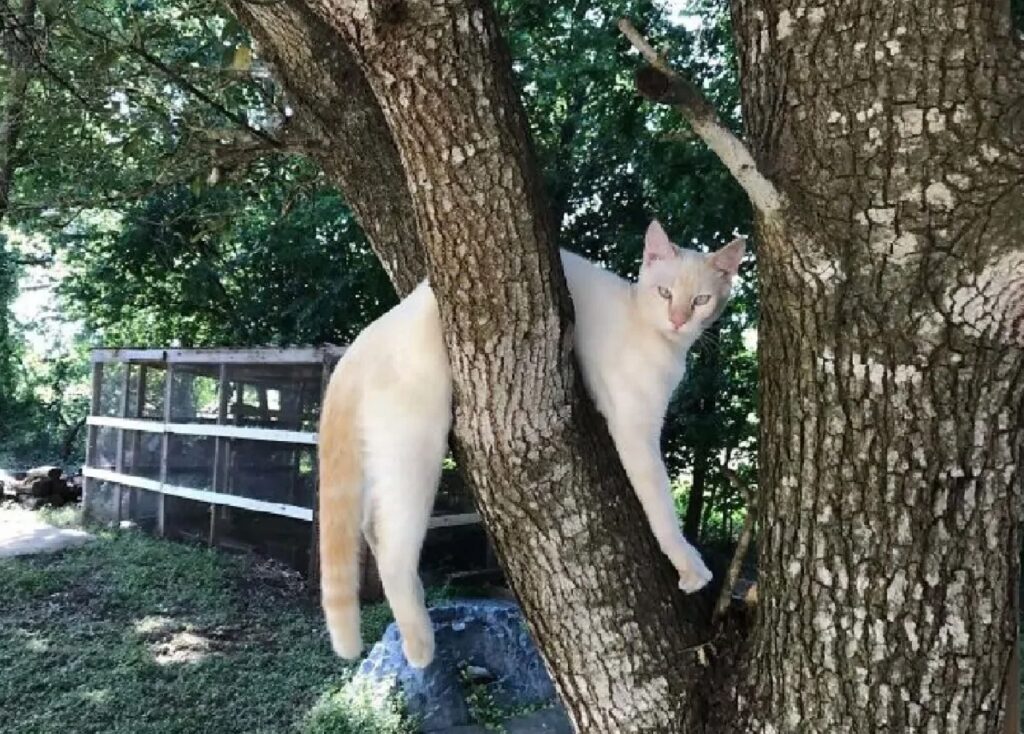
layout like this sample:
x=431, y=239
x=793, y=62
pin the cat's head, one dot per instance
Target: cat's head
x=682, y=291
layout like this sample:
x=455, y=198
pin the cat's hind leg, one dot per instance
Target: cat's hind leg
x=404, y=465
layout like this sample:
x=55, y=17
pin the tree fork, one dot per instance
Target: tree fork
x=625, y=649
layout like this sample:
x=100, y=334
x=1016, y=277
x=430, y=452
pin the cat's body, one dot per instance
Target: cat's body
x=387, y=412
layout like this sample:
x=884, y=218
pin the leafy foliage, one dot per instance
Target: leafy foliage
x=276, y=259
x=10, y=346
x=154, y=168
x=357, y=709
x=45, y=416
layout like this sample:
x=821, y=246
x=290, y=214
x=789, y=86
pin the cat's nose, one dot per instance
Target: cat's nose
x=678, y=322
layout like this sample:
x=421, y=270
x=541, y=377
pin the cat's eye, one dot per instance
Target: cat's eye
x=701, y=299
x=665, y=293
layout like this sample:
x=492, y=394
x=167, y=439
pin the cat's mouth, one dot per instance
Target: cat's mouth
x=675, y=332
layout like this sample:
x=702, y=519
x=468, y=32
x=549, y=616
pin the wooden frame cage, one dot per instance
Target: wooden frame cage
x=219, y=445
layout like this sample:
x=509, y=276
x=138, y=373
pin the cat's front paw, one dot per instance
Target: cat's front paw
x=694, y=575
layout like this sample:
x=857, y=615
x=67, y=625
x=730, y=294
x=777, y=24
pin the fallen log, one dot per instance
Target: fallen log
x=38, y=486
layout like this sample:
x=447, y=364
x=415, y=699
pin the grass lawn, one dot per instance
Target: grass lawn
x=130, y=634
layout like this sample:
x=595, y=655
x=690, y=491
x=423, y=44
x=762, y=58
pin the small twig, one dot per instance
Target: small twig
x=137, y=48
x=660, y=83
x=725, y=595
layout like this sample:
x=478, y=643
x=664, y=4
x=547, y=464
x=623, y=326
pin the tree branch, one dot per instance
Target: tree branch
x=198, y=93
x=746, y=534
x=660, y=83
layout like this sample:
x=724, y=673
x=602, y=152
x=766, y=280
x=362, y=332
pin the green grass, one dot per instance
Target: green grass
x=133, y=635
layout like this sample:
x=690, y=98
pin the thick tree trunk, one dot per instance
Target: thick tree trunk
x=620, y=644
x=892, y=426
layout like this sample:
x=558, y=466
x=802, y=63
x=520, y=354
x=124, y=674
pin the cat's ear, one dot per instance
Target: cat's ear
x=727, y=260
x=657, y=245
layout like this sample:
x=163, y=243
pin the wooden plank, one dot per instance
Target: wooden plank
x=259, y=355
x=161, y=500
x=91, y=431
x=220, y=446
x=451, y=521
x=136, y=410
x=205, y=429
x=130, y=424
x=124, y=355
x=314, y=536
x=254, y=434
x=202, y=495
x=123, y=411
x=140, y=398
x=106, y=475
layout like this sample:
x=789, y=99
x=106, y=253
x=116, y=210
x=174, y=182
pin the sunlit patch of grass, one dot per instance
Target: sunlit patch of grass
x=132, y=635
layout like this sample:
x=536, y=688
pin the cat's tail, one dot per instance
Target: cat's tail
x=341, y=510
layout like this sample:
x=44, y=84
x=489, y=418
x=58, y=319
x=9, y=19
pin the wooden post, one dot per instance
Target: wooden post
x=136, y=411
x=261, y=392
x=92, y=431
x=290, y=416
x=221, y=448
x=123, y=412
x=161, y=506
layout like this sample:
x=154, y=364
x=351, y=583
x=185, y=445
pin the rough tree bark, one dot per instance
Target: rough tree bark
x=448, y=125
x=892, y=292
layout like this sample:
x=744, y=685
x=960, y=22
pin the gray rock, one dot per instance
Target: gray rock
x=484, y=634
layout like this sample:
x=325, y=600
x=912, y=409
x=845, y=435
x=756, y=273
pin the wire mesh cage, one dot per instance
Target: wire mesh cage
x=219, y=446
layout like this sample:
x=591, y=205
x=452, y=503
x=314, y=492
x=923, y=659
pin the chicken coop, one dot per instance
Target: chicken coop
x=219, y=447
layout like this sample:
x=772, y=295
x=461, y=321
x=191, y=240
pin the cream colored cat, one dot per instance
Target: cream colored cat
x=387, y=411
